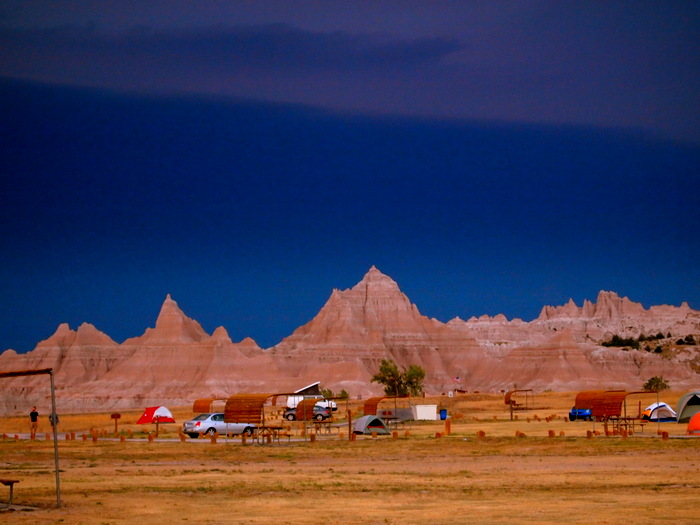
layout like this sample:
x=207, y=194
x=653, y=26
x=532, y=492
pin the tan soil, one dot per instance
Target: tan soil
x=416, y=478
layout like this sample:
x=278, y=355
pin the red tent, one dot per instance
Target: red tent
x=156, y=415
x=694, y=425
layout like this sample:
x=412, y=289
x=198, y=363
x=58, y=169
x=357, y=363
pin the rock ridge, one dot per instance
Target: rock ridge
x=176, y=361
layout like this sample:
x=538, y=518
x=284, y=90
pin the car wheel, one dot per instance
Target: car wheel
x=210, y=432
x=193, y=435
x=248, y=431
x=290, y=417
x=318, y=417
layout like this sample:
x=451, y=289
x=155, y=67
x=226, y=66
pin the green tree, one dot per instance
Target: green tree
x=327, y=393
x=414, y=377
x=656, y=384
x=397, y=382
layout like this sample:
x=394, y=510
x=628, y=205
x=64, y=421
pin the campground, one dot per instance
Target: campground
x=538, y=468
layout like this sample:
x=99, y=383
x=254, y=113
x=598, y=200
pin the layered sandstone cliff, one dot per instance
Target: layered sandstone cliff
x=177, y=361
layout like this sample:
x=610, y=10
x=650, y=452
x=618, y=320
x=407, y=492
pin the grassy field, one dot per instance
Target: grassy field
x=416, y=477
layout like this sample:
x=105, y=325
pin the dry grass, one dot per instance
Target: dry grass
x=414, y=479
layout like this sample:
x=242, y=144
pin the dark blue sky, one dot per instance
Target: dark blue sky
x=248, y=158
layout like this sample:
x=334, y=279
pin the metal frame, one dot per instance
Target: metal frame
x=54, y=418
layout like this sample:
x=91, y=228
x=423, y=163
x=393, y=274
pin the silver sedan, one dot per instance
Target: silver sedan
x=208, y=424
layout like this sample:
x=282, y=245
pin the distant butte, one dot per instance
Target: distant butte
x=177, y=361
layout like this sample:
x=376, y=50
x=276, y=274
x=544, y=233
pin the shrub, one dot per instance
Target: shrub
x=618, y=341
x=656, y=383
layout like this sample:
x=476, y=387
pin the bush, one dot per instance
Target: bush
x=618, y=341
x=656, y=384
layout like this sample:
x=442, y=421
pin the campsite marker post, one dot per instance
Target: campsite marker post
x=115, y=416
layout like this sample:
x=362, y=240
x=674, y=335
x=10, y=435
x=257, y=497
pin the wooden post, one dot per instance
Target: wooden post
x=116, y=417
x=351, y=434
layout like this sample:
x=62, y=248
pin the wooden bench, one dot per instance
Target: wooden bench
x=11, y=484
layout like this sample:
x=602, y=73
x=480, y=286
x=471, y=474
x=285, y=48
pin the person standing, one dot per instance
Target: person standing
x=34, y=421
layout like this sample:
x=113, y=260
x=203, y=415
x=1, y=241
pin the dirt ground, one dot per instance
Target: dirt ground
x=430, y=472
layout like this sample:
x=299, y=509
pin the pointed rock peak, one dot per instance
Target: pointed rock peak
x=221, y=334
x=250, y=343
x=610, y=304
x=169, y=309
x=173, y=325
x=607, y=296
x=62, y=330
x=375, y=275
x=88, y=334
x=62, y=336
x=375, y=278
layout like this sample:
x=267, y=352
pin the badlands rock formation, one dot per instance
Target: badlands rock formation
x=177, y=361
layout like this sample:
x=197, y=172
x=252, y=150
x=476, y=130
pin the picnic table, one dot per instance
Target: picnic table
x=11, y=484
x=270, y=434
x=628, y=423
x=325, y=426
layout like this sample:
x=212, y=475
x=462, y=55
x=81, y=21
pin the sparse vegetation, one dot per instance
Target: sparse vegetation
x=618, y=341
x=632, y=342
x=329, y=394
x=397, y=383
x=687, y=340
x=656, y=384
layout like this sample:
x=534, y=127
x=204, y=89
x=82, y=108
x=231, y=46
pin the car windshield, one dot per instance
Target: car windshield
x=201, y=417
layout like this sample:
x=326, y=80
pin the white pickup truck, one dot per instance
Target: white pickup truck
x=293, y=401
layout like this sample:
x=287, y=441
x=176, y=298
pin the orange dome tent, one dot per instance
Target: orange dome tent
x=694, y=425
